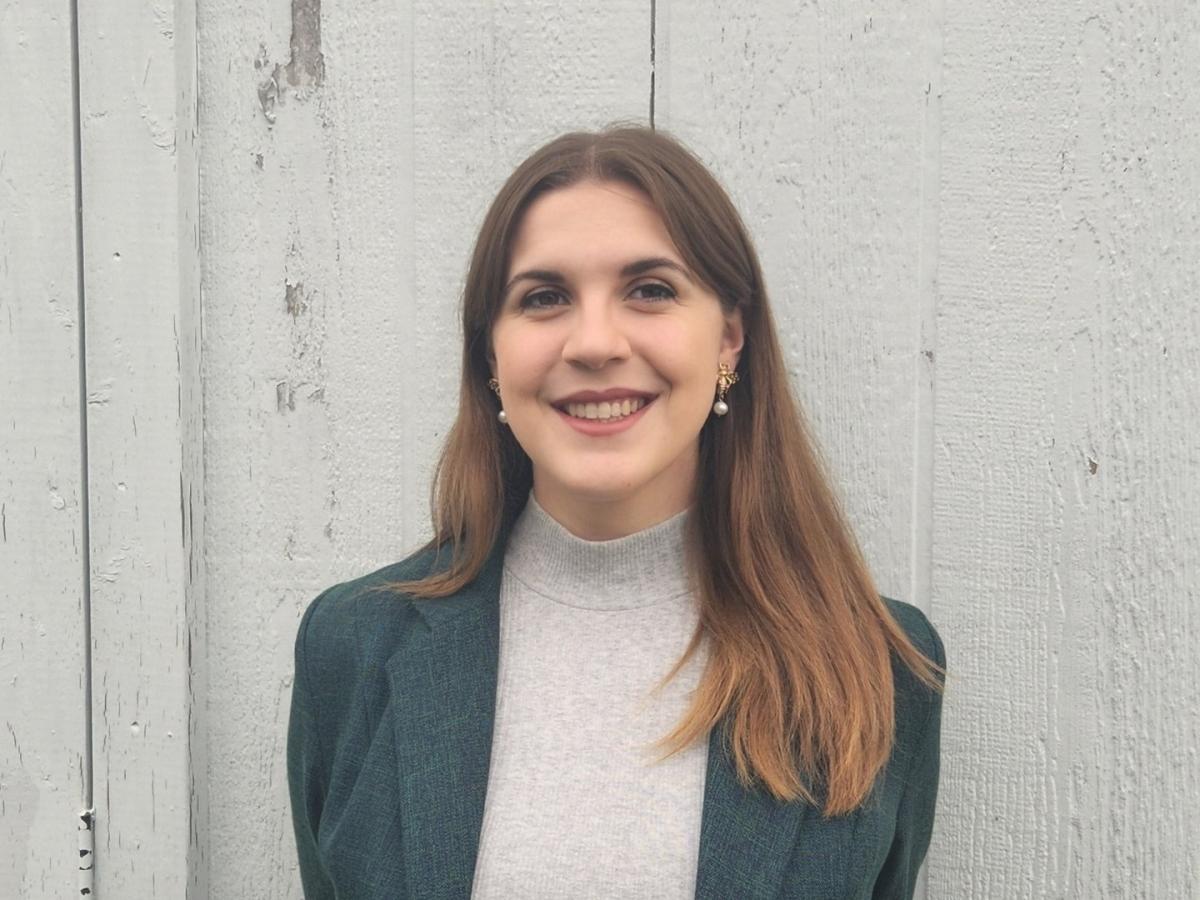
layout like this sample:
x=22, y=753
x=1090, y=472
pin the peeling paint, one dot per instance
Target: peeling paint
x=307, y=65
x=64, y=315
x=87, y=851
x=286, y=391
x=101, y=393
x=165, y=20
x=294, y=298
x=162, y=133
x=305, y=69
x=285, y=398
x=268, y=94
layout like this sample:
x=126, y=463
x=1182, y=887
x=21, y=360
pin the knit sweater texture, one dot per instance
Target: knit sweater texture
x=578, y=803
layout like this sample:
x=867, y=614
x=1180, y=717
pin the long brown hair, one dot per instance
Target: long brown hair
x=801, y=642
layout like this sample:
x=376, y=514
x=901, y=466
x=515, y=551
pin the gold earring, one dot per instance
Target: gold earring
x=495, y=386
x=725, y=380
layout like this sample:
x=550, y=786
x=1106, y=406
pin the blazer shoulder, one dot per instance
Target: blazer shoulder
x=918, y=705
x=919, y=629
x=348, y=623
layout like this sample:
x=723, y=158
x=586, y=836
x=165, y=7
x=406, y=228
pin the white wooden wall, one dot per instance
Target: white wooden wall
x=981, y=229
x=102, y=655
x=44, y=771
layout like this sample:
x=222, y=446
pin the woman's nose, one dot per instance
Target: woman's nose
x=596, y=336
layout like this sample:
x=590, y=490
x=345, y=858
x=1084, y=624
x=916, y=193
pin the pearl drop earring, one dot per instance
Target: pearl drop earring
x=725, y=380
x=495, y=386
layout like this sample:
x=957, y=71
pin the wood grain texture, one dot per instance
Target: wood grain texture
x=1067, y=478
x=192, y=489
x=43, y=780
x=137, y=129
x=338, y=214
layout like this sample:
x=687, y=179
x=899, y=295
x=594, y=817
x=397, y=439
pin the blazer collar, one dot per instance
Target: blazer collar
x=443, y=689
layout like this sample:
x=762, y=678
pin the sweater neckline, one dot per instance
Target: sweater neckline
x=638, y=570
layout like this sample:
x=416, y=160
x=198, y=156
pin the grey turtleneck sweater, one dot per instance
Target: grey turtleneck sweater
x=576, y=805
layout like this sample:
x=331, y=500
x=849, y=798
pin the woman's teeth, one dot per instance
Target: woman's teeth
x=616, y=409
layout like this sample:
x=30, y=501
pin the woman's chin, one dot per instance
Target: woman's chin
x=596, y=487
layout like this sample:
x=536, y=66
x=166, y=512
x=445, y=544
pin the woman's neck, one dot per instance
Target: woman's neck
x=640, y=569
x=600, y=518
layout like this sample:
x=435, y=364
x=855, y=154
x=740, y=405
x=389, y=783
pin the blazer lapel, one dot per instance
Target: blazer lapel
x=747, y=838
x=443, y=683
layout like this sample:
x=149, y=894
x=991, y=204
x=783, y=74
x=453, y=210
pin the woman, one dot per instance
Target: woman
x=642, y=656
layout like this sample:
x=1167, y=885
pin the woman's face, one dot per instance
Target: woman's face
x=598, y=299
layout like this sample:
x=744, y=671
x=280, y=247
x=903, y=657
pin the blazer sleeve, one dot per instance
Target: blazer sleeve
x=914, y=818
x=307, y=766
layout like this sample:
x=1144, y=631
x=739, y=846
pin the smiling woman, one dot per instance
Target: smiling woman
x=642, y=655
x=603, y=309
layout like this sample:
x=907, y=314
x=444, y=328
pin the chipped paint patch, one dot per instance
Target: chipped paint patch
x=294, y=299
x=285, y=397
x=305, y=69
x=307, y=65
x=87, y=851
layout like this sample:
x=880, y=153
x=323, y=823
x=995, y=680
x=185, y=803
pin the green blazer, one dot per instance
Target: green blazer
x=389, y=743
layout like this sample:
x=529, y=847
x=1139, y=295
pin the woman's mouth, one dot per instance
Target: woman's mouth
x=607, y=410
x=605, y=417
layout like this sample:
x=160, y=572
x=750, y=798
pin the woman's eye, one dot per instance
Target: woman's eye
x=654, y=290
x=549, y=298
x=540, y=299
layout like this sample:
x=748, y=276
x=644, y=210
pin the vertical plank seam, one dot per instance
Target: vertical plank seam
x=653, y=19
x=84, y=488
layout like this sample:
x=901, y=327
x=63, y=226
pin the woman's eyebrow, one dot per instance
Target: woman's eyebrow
x=637, y=267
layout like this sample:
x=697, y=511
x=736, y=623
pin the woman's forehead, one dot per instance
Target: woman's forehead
x=593, y=222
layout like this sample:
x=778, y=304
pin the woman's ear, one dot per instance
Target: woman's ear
x=732, y=338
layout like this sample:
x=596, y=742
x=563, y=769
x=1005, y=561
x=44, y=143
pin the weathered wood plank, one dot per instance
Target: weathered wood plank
x=140, y=190
x=1067, y=476
x=43, y=777
x=341, y=191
